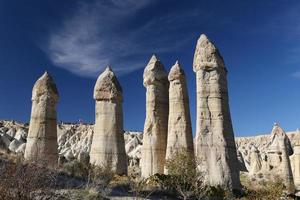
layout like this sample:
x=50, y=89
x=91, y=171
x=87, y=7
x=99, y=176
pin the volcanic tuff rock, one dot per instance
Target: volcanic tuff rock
x=156, y=123
x=108, y=87
x=295, y=163
x=108, y=145
x=180, y=136
x=255, y=161
x=273, y=151
x=74, y=141
x=214, y=142
x=77, y=139
x=42, y=136
x=278, y=151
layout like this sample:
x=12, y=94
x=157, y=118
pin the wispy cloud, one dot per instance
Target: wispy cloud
x=292, y=28
x=296, y=74
x=286, y=26
x=99, y=34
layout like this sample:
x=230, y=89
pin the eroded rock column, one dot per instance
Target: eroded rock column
x=156, y=123
x=108, y=147
x=295, y=162
x=255, y=161
x=278, y=151
x=41, y=144
x=214, y=143
x=180, y=137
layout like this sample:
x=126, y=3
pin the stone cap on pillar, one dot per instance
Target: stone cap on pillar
x=155, y=72
x=176, y=72
x=207, y=56
x=45, y=88
x=107, y=87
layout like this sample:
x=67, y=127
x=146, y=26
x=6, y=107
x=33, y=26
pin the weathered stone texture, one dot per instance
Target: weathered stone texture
x=42, y=137
x=156, y=123
x=255, y=161
x=180, y=135
x=295, y=164
x=214, y=142
x=278, y=151
x=108, y=146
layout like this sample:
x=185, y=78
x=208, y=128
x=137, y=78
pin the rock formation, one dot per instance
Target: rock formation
x=42, y=136
x=74, y=143
x=295, y=162
x=255, y=161
x=278, y=151
x=243, y=165
x=214, y=142
x=156, y=123
x=180, y=136
x=108, y=147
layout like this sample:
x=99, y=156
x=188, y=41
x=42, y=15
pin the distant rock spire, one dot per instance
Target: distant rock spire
x=279, y=149
x=255, y=161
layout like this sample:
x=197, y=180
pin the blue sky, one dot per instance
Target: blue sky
x=74, y=40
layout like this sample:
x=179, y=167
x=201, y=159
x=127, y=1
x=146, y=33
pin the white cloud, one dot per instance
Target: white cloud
x=296, y=74
x=98, y=35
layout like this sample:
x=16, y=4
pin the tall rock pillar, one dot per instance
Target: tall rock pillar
x=41, y=144
x=214, y=143
x=180, y=136
x=108, y=146
x=156, y=123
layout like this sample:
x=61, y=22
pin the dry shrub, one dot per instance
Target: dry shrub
x=84, y=195
x=18, y=180
x=185, y=181
x=99, y=178
x=76, y=169
x=264, y=190
x=140, y=188
x=183, y=178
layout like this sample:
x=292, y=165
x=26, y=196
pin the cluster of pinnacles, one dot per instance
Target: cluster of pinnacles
x=167, y=126
x=276, y=163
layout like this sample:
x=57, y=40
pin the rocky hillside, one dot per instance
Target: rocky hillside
x=260, y=142
x=74, y=142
